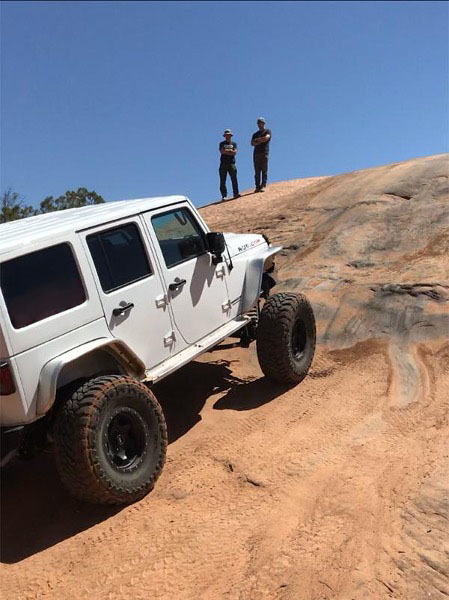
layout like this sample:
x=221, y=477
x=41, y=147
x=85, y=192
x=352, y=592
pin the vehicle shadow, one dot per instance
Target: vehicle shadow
x=183, y=394
x=36, y=510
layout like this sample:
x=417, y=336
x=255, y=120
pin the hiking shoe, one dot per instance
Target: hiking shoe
x=262, y=189
x=223, y=198
x=257, y=190
x=237, y=196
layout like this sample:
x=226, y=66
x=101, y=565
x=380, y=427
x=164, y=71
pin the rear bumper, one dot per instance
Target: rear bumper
x=10, y=438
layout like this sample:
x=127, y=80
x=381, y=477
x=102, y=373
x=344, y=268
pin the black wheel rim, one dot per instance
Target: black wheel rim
x=126, y=437
x=299, y=339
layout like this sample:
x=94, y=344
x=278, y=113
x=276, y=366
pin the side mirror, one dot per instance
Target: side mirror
x=216, y=243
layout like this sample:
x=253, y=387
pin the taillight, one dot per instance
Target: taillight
x=7, y=386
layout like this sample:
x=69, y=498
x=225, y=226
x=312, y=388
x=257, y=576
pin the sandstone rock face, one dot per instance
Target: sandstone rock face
x=370, y=248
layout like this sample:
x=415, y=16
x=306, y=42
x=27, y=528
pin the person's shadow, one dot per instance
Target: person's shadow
x=36, y=510
x=227, y=201
x=250, y=395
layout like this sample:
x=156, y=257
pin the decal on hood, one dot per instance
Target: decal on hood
x=248, y=245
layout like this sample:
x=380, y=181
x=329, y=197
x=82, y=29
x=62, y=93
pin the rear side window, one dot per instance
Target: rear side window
x=119, y=256
x=41, y=284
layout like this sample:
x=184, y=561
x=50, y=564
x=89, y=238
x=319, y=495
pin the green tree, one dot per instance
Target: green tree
x=13, y=208
x=71, y=199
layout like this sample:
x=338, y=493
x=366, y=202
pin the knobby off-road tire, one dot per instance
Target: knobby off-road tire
x=286, y=338
x=111, y=441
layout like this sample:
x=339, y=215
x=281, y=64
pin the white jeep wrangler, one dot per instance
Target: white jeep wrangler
x=99, y=303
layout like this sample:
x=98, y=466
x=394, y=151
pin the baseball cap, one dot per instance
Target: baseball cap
x=261, y=120
x=228, y=131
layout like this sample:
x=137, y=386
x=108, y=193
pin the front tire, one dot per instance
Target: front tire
x=286, y=338
x=111, y=441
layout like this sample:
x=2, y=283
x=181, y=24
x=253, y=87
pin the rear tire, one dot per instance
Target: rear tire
x=286, y=338
x=111, y=441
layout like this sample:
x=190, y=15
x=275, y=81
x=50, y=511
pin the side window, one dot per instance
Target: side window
x=179, y=235
x=119, y=256
x=41, y=284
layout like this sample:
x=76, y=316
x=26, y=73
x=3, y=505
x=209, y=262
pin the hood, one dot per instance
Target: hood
x=243, y=242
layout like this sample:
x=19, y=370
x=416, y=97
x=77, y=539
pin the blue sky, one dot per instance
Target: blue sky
x=131, y=99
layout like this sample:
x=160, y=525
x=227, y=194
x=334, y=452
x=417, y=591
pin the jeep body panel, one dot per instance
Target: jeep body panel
x=28, y=348
x=28, y=365
x=41, y=331
x=5, y=348
x=51, y=371
x=253, y=278
x=201, y=305
x=38, y=231
x=194, y=350
x=244, y=280
x=148, y=326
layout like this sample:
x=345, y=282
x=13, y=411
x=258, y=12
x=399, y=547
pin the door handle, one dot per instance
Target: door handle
x=121, y=310
x=178, y=283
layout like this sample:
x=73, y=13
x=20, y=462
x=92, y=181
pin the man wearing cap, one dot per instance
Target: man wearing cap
x=228, y=150
x=261, y=142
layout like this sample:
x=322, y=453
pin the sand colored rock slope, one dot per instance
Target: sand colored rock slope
x=337, y=488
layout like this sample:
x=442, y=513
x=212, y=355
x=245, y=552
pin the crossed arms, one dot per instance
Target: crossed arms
x=260, y=140
x=232, y=152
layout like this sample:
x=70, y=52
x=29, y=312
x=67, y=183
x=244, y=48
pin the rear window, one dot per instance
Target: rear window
x=119, y=256
x=41, y=284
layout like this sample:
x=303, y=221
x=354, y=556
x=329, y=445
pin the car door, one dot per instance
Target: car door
x=130, y=289
x=197, y=287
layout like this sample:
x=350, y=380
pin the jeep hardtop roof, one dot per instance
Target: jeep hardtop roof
x=17, y=234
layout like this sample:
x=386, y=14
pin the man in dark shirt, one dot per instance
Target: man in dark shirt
x=228, y=150
x=261, y=142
